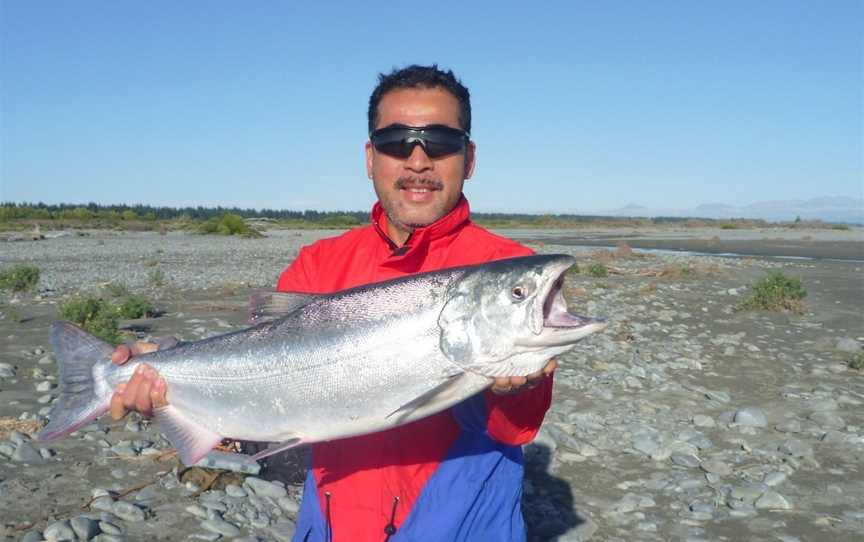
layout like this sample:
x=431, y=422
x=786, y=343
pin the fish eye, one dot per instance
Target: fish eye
x=518, y=293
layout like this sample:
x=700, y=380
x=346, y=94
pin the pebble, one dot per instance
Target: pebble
x=789, y=426
x=44, y=386
x=700, y=420
x=686, y=460
x=795, y=448
x=750, y=417
x=748, y=492
x=27, y=453
x=283, y=530
x=773, y=500
x=233, y=490
x=220, y=526
x=128, y=511
x=774, y=478
x=716, y=467
x=7, y=371
x=109, y=528
x=197, y=510
x=84, y=527
x=288, y=504
x=59, y=531
x=263, y=488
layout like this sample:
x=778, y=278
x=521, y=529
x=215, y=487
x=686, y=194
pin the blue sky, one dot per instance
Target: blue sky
x=578, y=106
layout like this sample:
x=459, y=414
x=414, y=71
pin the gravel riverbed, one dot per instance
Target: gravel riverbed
x=684, y=420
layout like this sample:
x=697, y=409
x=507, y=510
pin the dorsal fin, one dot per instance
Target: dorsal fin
x=266, y=305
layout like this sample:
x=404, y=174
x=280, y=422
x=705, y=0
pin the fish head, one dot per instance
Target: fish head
x=508, y=317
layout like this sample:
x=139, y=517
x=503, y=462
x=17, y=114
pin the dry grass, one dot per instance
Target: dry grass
x=29, y=427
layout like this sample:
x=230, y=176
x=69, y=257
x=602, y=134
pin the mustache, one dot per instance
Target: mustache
x=426, y=182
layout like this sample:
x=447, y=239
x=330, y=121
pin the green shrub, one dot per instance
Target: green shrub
x=116, y=289
x=135, y=306
x=95, y=315
x=857, y=361
x=20, y=278
x=228, y=224
x=728, y=226
x=156, y=278
x=776, y=292
x=597, y=270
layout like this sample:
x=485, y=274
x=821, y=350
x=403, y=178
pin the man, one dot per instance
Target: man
x=456, y=475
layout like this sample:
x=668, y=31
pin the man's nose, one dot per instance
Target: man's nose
x=418, y=160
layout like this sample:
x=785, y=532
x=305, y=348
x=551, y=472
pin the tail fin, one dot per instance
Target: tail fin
x=82, y=397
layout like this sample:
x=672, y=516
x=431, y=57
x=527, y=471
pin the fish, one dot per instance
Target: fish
x=315, y=368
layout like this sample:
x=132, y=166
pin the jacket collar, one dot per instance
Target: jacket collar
x=420, y=239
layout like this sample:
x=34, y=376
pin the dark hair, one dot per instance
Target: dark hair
x=415, y=76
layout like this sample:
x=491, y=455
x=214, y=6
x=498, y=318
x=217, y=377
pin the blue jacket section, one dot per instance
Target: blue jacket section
x=475, y=493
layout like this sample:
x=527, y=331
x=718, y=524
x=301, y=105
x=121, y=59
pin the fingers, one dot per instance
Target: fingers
x=125, y=351
x=157, y=394
x=121, y=354
x=117, y=409
x=508, y=385
x=139, y=348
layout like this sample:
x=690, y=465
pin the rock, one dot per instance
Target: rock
x=828, y=420
x=220, y=526
x=789, y=426
x=44, y=386
x=685, y=460
x=647, y=444
x=128, y=511
x=848, y=345
x=27, y=453
x=105, y=504
x=750, y=417
x=263, y=488
x=795, y=448
x=59, y=531
x=7, y=371
x=84, y=527
x=748, y=492
x=774, y=478
x=288, y=504
x=716, y=467
x=197, y=511
x=233, y=490
x=109, y=528
x=700, y=420
x=283, y=530
x=773, y=500
x=33, y=536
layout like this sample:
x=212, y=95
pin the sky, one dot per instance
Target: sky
x=578, y=106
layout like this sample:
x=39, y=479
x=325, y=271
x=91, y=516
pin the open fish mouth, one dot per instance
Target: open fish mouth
x=556, y=317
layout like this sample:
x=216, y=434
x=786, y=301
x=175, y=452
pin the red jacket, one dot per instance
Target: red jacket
x=362, y=475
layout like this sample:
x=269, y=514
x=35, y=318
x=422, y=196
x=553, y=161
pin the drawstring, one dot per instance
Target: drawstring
x=390, y=528
x=329, y=525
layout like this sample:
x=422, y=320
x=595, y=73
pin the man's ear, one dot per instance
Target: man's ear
x=470, y=159
x=369, y=151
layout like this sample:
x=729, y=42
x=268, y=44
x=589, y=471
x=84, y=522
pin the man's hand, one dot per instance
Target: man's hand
x=508, y=385
x=145, y=390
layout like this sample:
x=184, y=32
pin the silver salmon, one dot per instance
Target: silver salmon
x=322, y=367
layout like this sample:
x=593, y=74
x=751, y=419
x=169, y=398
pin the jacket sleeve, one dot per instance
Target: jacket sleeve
x=296, y=277
x=516, y=419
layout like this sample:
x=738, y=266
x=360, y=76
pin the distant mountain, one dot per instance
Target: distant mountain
x=827, y=208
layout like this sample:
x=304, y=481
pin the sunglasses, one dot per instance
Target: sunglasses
x=437, y=140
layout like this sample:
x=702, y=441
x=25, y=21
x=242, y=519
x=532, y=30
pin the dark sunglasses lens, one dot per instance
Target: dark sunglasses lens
x=437, y=142
x=398, y=149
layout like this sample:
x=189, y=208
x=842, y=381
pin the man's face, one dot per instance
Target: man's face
x=416, y=191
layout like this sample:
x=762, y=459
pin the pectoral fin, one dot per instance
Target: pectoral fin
x=277, y=447
x=446, y=394
x=192, y=440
